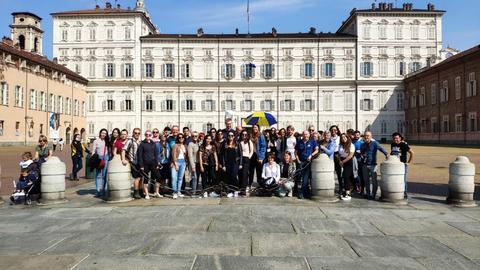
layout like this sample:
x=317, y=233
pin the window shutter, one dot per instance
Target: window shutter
x=361, y=104
x=234, y=105
x=371, y=69
x=242, y=105
x=313, y=70
x=474, y=91
x=302, y=70
x=105, y=70
x=333, y=69
x=262, y=105
x=183, y=105
x=203, y=105
x=104, y=105
x=243, y=71
x=153, y=70
x=144, y=105
x=222, y=105
x=262, y=71
x=282, y=105
x=362, y=69
x=273, y=105
x=253, y=105
x=173, y=71
x=154, y=105
x=163, y=105
x=322, y=70
x=410, y=67
x=123, y=71
x=122, y=105
x=233, y=71
x=313, y=104
x=253, y=71
x=223, y=71
x=182, y=69
x=302, y=105
x=293, y=104
x=273, y=70
x=164, y=75
x=143, y=70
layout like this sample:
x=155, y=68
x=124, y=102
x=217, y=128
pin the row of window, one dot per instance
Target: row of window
x=92, y=34
x=18, y=128
x=37, y=100
x=288, y=104
x=398, y=30
x=420, y=98
x=461, y=123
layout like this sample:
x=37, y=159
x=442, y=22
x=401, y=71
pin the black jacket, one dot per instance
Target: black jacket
x=147, y=154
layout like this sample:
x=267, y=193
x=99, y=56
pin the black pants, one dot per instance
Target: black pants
x=347, y=177
x=243, y=175
x=208, y=176
x=149, y=169
x=77, y=166
x=255, y=166
x=231, y=173
x=338, y=171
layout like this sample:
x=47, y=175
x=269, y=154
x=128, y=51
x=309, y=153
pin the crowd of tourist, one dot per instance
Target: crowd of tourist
x=233, y=161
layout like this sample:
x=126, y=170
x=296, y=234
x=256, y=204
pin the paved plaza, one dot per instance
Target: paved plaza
x=238, y=233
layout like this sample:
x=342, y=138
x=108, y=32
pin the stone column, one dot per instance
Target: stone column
x=118, y=181
x=392, y=183
x=323, y=179
x=461, y=183
x=52, y=186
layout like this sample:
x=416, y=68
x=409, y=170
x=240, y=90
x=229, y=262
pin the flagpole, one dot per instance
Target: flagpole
x=248, y=17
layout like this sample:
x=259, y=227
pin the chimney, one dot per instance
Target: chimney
x=390, y=6
x=199, y=32
x=97, y=7
x=274, y=31
x=236, y=31
x=118, y=6
x=55, y=60
x=432, y=6
x=410, y=5
x=373, y=6
x=312, y=31
x=404, y=6
x=108, y=5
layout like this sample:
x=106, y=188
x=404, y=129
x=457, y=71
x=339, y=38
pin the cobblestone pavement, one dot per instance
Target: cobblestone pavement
x=238, y=233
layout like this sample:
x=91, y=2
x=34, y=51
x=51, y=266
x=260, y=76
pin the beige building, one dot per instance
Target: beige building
x=37, y=96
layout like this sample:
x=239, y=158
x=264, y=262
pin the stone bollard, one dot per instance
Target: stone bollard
x=392, y=183
x=52, y=185
x=323, y=179
x=118, y=181
x=461, y=182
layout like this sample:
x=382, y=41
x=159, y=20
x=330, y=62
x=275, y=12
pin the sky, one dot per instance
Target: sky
x=461, y=23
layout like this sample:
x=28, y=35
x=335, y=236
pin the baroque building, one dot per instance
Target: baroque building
x=352, y=78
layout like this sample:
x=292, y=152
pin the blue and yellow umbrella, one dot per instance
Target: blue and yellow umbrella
x=261, y=118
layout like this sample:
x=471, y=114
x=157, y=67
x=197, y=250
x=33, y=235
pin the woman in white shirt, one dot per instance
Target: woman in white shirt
x=346, y=150
x=270, y=173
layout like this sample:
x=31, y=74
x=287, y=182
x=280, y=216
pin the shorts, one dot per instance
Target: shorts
x=135, y=171
x=149, y=170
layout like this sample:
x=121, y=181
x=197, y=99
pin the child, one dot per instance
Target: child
x=28, y=174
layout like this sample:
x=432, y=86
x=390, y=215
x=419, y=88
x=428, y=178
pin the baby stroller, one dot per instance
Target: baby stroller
x=27, y=190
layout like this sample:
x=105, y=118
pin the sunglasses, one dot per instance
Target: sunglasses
x=156, y=132
x=231, y=135
x=180, y=138
x=148, y=134
x=136, y=133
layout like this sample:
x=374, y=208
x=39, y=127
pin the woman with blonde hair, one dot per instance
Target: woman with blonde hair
x=43, y=150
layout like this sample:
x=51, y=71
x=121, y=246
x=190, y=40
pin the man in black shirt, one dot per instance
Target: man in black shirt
x=401, y=149
x=147, y=160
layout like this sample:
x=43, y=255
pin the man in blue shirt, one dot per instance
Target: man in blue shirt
x=304, y=150
x=357, y=142
x=368, y=152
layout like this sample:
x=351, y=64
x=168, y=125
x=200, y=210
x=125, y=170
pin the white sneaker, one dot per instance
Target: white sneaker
x=346, y=197
x=214, y=194
x=147, y=197
x=157, y=195
x=180, y=195
x=247, y=190
x=235, y=194
x=290, y=194
x=175, y=195
x=205, y=194
x=230, y=195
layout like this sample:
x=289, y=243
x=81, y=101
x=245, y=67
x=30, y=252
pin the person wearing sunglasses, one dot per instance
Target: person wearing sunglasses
x=155, y=135
x=147, y=161
x=129, y=155
x=230, y=162
x=178, y=165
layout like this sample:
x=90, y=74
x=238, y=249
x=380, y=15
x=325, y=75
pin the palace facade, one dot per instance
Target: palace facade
x=352, y=78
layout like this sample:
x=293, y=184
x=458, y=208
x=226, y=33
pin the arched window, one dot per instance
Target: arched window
x=21, y=42
x=35, y=45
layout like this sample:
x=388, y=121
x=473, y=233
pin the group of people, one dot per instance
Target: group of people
x=278, y=159
x=227, y=161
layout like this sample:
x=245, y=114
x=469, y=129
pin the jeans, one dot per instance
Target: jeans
x=101, y=177
x=287, y=187
x=305, y=177
x=177, y=176
x=77, y=166
x=194, y=178
x=370, y=171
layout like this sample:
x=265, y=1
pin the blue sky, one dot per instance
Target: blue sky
x=461, y=25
